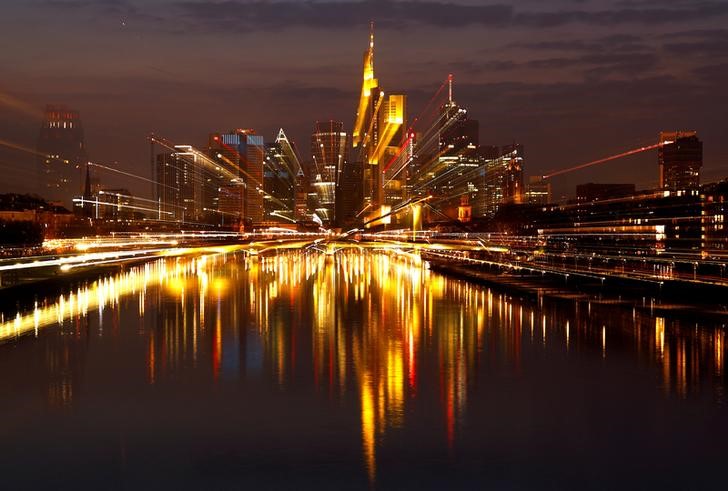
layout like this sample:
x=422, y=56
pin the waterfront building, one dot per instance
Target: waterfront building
x=115, y=204
x=329, y=157
x=714, y=219
x=538, y=191
x=63, y=160
x=179, y=188
x=279, y=181
x=377, y=136
x=600, y=191
x=680, y=157
x=502, y=178
x=239, y=153
x=453, y=168
x=349, y=195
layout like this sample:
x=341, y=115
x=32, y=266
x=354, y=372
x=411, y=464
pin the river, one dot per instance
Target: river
x=352, y=370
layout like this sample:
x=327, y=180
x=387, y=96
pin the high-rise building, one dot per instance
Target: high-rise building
x=349, y=195
x=453, y=174
x=180, y=185
x=502, y=179
x=63, y=162
x=329, y=155
x=240, y=153
x=279, y=180
x=377, y=135
x=538, y=191
x=457, y=131
x=680, y=157
x=513, y=161
x=293, y=160
x=115, y=204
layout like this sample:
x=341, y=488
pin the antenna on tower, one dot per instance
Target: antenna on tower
x=371, y=34
x=449, y=88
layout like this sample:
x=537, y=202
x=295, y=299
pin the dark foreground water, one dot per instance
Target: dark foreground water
x=353, y=370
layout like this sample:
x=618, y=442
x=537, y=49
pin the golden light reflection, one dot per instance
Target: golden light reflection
x=373, y=324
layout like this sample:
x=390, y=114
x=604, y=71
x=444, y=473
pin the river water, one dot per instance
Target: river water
x=353, y=370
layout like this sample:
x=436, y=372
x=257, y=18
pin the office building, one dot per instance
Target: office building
x=377, y=137
x=329, y=156
x=239, y=155
x=279, y=180
x=62, y=164
x=179, y=185
x=680, y=157
x=538, y=191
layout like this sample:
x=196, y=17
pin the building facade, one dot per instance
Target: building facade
x=279, y=181
x=680, y=157
x=180, y=183
x=63, y=161
x=538, y=191
x=329, y=156
x=239, y=155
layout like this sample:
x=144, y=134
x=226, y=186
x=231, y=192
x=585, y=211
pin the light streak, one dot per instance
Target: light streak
x=129, y=174
x=603, y=160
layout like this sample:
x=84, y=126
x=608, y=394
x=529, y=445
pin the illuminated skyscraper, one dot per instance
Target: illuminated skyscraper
x=280, y=172
x=458, y=132
x=502, y=179
x=62, y=165
x=450, y=173
x=118, y=204
x=538, y=191
x=513, y=162
x=377, y=135
x=680, y=158
x=328, y=151
x=240, y=152
x=179, y=185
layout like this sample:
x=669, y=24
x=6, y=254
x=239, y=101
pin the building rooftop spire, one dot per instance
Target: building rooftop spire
x=449, y=88
x=371, y=35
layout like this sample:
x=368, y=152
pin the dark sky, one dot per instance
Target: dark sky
x=571, y=80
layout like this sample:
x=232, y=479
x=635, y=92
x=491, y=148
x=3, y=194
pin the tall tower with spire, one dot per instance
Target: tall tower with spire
x=377, y=133
x=369, y=83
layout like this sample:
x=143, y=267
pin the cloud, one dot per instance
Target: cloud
x=716, y=74
x=617, y=42
x=704, y=43
x=597, y=64
x=111, y=7
x=260, y=15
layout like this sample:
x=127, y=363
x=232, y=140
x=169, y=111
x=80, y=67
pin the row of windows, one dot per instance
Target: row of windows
x=60, y=124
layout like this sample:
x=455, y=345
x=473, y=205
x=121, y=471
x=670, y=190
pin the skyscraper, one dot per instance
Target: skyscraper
x=240, y=152
x=328, y=151
x=680, y=157
x=179, y=185
x=450, y=171
x=62, y=165
x=349, y=195
x=513, y=162
x=502, y=179
x=377, y=135
x=280, y=180
x=538, y=191
x=458, y=132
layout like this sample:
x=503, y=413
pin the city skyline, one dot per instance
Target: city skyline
x=535, y=119
x=363, y=244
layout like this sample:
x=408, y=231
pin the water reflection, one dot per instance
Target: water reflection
x=377, y=330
